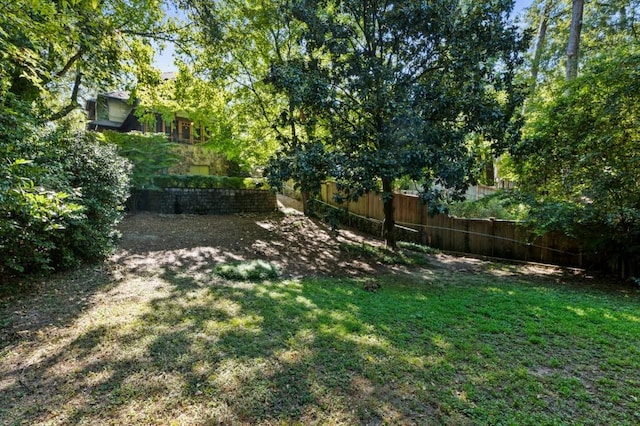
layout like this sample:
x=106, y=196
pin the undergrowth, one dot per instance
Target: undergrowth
x=254, y=270
x=386, y=255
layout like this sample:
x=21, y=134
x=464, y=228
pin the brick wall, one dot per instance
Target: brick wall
x=205, y=201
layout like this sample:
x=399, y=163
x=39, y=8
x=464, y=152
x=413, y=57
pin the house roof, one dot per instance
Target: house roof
x=105, y=123
x=169, y=75
x=118, y=94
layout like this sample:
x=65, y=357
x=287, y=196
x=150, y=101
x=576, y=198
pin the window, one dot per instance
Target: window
x=185, y=131
x=102, y=108
x=199, y=170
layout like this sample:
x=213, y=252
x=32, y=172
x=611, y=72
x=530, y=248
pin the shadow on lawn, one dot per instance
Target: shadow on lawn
x=286, y=351
x=164, y=340
x=38, y=306
x=214, y=351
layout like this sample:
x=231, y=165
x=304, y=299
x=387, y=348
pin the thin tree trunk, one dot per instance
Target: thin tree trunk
x=73, y=101
x=540, y=41
x=574, y=39
x=389, y=224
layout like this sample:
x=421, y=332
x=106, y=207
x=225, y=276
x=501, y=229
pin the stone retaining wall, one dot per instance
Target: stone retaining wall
x=205, y=201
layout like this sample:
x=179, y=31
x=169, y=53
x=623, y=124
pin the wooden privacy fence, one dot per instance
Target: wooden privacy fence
x=486, y=237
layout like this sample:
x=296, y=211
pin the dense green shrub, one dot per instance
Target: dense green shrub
x=202, y=181
x=500, y=205
x=252, y=270
x=150, y=153
x=60, y=198
x=32, y=218
x=100, y=179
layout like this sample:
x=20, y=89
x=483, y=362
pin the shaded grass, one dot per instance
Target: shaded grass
x=429, y=348
x=417, y=247
x=412, y=256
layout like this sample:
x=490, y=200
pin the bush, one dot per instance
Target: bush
x=60, y=207
x=32, y=218
x=254, y=270
x=205, y=182
x=100, y=178
x=500, y=205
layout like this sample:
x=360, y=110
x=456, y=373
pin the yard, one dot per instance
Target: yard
x=154, y=336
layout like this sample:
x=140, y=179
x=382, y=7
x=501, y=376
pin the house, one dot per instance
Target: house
x=112, y=111
x=116, y=111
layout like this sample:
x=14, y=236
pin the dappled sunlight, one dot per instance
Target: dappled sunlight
x=578, y=311
x=163, y=339
x=232, y=374
x=292, y=356
x=305, y=302
x=596, y=315
x=368, y=341
x=198, y=260
x=630, y=317
x=296, y=244
x=441, y=342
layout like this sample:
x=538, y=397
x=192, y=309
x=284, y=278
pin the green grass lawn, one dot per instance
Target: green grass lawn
x=428, y=347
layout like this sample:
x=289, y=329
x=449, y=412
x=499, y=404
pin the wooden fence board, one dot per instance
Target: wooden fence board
x=486, y=237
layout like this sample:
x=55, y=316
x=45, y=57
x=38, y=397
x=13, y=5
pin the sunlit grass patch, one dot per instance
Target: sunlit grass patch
x=253, y=270
x=458, y=348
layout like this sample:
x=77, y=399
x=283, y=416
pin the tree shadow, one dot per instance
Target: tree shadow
x=162, y=339
x=43, y=305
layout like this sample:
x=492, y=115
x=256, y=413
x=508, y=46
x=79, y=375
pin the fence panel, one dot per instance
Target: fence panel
x=486, y=237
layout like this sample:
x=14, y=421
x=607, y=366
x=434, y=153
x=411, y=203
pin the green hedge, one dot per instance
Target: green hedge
x=61, y=197
x=206, y=182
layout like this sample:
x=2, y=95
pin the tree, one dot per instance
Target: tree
x=52, y=49
x=235, y=42
x=541, y=38
x=604, y=26
x=61, y=193
x=580, y=154
x=573, y=47
x=392, y=89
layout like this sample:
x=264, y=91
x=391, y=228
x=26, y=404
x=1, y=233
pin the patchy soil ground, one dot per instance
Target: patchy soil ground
x=298, y=245
x=153, y=336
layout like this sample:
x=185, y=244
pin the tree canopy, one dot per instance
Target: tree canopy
x=52, y=49
x=391, y=89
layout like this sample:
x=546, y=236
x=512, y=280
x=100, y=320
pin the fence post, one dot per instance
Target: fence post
x=421, y=233
x=493, y=235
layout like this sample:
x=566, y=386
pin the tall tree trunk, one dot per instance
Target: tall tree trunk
x=540, y=41
x=574, y=39
x=389, y=224
x=623, y=18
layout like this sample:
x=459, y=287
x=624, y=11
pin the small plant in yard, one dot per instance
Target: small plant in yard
x=254, y=270
x=417, y=247
x=385, y=255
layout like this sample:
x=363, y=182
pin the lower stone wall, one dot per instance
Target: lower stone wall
x=204, y=201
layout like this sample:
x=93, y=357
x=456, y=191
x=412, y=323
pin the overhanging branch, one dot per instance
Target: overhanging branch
x=73, y=101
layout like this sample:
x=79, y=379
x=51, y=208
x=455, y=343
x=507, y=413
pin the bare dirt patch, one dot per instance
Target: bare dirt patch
x=296, y=244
